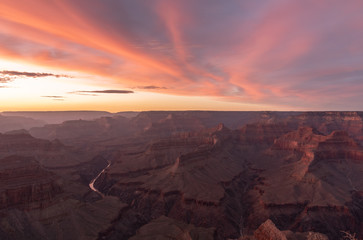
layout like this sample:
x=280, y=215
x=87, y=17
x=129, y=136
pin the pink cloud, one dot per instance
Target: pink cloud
x=280, y=52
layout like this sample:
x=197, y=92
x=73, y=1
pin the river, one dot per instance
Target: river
x=92, y=183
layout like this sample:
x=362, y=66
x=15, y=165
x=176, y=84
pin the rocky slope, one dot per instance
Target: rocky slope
x=57, y=117
x=44, y=191
x=326, y=122
x=10, y=123
x=303, y=178
x=51, y=154
x=316, y=176
x=25, y=184
x=150, y=125
x=269, y=231
x=211, y=175
x=167, y=228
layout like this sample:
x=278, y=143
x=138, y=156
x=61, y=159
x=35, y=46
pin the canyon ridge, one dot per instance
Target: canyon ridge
x=181, y=175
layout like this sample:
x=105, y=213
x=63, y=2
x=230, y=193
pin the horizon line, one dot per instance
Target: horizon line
x=139, y=111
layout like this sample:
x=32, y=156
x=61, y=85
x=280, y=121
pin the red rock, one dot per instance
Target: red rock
x=25, y=184
x=268, y=231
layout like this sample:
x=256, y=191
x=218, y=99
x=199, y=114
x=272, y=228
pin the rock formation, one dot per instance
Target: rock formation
x=197, y=175
x=268, y=231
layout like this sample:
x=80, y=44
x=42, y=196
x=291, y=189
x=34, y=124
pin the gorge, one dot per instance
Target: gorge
x=92, y=183
x=191, y=175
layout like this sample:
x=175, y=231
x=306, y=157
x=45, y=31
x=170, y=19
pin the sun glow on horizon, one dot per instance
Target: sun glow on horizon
x=60, y=93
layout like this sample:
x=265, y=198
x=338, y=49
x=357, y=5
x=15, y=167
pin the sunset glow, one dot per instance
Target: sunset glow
x=181, y=55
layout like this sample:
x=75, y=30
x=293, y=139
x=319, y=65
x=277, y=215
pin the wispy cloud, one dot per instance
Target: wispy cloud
x=8, y=74
x=84, y=94
x=150, y=87
x=96, y=92
x=5, y=79
x=56, y=98
x=270, y=53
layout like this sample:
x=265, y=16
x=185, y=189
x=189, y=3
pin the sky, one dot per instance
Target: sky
x=139, y=55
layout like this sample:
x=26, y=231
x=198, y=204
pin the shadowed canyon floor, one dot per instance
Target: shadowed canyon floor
x=184, y=175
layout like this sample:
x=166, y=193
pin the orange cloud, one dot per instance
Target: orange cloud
x=277, y=52
x=46, y=17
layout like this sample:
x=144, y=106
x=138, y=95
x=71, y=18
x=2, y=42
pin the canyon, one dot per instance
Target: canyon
x=182, y=175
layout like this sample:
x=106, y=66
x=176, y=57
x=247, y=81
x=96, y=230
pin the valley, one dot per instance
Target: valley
x=190, y=175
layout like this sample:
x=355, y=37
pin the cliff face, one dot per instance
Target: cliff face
x=191, y=171
x=57, y=117
x=340, y=147
x=86, y=130
x=315, y=176
x=21, y=142
x=51, y=154
x=327, y=122
x=269, y=231
x=150, y=125
x=10, y=123
x=25, y=184
x=304, y=178
x=44, y=191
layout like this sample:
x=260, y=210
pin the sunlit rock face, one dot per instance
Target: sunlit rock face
x=269, y=231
